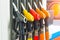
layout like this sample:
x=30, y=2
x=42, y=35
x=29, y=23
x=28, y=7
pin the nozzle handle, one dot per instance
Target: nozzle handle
x=14, y=6
x=22, y=6
x=29, y=5
x=35, y=5
x=20, y=16
x=40, y=4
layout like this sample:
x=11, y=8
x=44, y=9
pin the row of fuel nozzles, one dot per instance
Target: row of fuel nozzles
x=33, y=16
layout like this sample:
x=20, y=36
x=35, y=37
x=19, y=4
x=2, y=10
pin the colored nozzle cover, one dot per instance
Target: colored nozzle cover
x=36, y=16
x=42, y=15
x=30, y=39
x=36, y=37
x=34, y=13
x=47, y=35
x=44, y=11
x=41, y=36
x=28, y=16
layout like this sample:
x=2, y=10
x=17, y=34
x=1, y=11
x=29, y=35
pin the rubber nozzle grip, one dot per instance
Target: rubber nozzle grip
x=35, y=14
x=45, y=12
x=28, y=16
x=42, y=15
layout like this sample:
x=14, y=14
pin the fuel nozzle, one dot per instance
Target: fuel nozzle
x=20, y=16
x=44, y=11
x=46, y=21
x=28, y=16
x=36, y=19
x=42, y=15
x=34, y=13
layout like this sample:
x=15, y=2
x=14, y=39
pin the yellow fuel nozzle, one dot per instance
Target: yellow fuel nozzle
x=30, y=39
x=42, y=15
x=28, y=16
